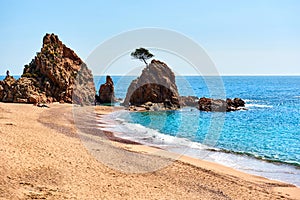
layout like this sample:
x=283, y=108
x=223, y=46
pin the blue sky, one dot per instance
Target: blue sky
x=241, y=37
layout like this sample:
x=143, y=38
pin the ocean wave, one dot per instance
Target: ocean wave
x=249, y=105
x=147, y=136
x=259, y=157
x=249, y=162
x=256, y=103
x=249, y=100
x=116, y=122
x=144, y=135
x=253, y=101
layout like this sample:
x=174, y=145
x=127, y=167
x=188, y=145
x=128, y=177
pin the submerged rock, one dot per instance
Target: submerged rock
x=56, y=74
x=156, y=85
x=219, y=105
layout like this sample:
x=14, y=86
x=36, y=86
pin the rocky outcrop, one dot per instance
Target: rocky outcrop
x=5, y=93
x=219, y=105
x=191, y=101
x=23, y=90
x=149, y=106
x=56, y=74
x=106, y=91
x=235, y=103
x=155, y=85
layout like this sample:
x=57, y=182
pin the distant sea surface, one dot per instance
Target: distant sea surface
x=264, y=140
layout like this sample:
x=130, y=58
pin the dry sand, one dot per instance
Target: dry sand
x=43, y=157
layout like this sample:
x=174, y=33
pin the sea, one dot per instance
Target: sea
x=263, y=140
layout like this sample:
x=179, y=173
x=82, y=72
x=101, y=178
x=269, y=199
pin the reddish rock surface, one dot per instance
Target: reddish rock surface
x=56, y=74
x=219, y=105
x=156, y=85
x=106, y=91
x=191, y=101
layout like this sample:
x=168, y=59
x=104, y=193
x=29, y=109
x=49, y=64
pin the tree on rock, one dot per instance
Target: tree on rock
x=142, y=54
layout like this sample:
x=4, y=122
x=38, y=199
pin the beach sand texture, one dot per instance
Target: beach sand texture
x=43, y=157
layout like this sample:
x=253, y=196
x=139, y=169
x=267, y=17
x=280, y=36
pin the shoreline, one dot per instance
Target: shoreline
x=143, y=148
x=259, y=167
x=36, y=140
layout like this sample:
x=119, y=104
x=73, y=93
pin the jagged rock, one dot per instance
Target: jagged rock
x=56, y=74
x=191, y=101
x=6, y=94
x=219, y=105
x=237, y=102
x=156, y=84
x=106, y=91
x=23, y=90
x=208, y=104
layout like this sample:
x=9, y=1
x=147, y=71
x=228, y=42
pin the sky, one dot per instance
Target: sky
x=240, y=37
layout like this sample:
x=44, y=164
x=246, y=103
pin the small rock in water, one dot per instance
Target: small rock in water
x=219, y=105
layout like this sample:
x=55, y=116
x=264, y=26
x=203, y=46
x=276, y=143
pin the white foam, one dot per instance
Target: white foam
x=257, y=105
x=249, y=100
x=148, y=136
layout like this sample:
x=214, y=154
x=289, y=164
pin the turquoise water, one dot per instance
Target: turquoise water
x=268, y=131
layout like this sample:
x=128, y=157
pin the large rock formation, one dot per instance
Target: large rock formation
x=106, y=91
x=219, y=105
x=155, y=85
x=56, y=74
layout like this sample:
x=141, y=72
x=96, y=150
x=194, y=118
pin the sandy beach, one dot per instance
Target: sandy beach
x=43, y=157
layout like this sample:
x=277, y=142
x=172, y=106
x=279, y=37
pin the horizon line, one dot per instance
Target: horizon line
x=208, y=75
x=190, y=75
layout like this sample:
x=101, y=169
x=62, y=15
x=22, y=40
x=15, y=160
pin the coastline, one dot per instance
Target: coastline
x=219, y=168
x=43, y=156
x=245, y=162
